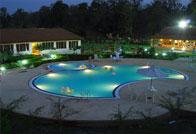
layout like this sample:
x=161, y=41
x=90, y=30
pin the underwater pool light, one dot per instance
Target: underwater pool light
x=82, y=67
x=88, y=71
x=52, y=75
x=143, y=67
x=62, y=64
x=108, y=67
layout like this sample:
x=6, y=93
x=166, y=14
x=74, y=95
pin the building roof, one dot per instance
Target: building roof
x=177, y=33
x=35, y=35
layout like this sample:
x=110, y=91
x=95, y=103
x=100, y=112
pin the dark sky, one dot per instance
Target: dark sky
x=33, y=5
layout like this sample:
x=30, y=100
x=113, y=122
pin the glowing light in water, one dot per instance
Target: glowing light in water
x=112, y=86
x=82, y=67
x=42, y=86
x=62, y=64
x=177, y=76
x=88, y=71
x=108, y=67
x=52, y=75
x=143, y=67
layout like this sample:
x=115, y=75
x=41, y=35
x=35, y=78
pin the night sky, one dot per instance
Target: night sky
x=33, y=5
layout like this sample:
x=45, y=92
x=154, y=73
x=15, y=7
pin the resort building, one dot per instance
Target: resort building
x=38, y=41
x=175, y=38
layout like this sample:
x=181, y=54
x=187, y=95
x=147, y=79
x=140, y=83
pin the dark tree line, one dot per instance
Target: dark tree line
x=117, y=18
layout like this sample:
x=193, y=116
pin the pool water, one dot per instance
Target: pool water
x=70, y=66
x=97, y=82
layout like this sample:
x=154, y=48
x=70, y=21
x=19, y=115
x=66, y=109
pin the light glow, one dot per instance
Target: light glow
x=52, y=75
x=178, y=76
x=156, y=54
x=112, y=86
x=88, y=71
x=2, y=69
x=183, y=48
x=108, y=67
x=82, y=67
x=44, y=87
x=164, y=54
x=145, y=49
x=53, y=56
x=144, y=67
x=24, y=62
x=62, y=64
x=183, y=23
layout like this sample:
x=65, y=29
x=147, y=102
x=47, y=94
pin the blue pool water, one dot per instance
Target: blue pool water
x=70, y=66
x=68, y=79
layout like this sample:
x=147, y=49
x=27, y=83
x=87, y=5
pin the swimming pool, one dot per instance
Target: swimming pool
x=76, y=79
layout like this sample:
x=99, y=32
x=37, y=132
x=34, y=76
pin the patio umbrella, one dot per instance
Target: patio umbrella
x=152, y=72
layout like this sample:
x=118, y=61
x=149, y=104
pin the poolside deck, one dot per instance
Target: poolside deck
x=16, y=83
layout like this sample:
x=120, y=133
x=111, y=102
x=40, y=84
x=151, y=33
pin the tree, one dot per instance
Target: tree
x=191, y=11
x=118, y=18
x=59, y=14
x=44, y=17
x=174, y=101
x=4, y=18
x=20, y=19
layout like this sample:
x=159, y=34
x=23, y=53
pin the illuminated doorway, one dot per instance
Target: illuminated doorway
x=35, y=50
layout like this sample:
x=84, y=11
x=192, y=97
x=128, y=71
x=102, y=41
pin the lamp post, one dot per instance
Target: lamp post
x=183, y=24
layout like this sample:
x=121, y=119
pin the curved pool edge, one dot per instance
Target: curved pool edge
x=33, y=87
x=116, y=91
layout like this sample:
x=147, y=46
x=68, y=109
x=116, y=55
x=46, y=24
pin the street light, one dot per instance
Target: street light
x=183, y=23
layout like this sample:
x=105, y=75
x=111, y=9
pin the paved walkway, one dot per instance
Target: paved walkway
x=16, y=83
